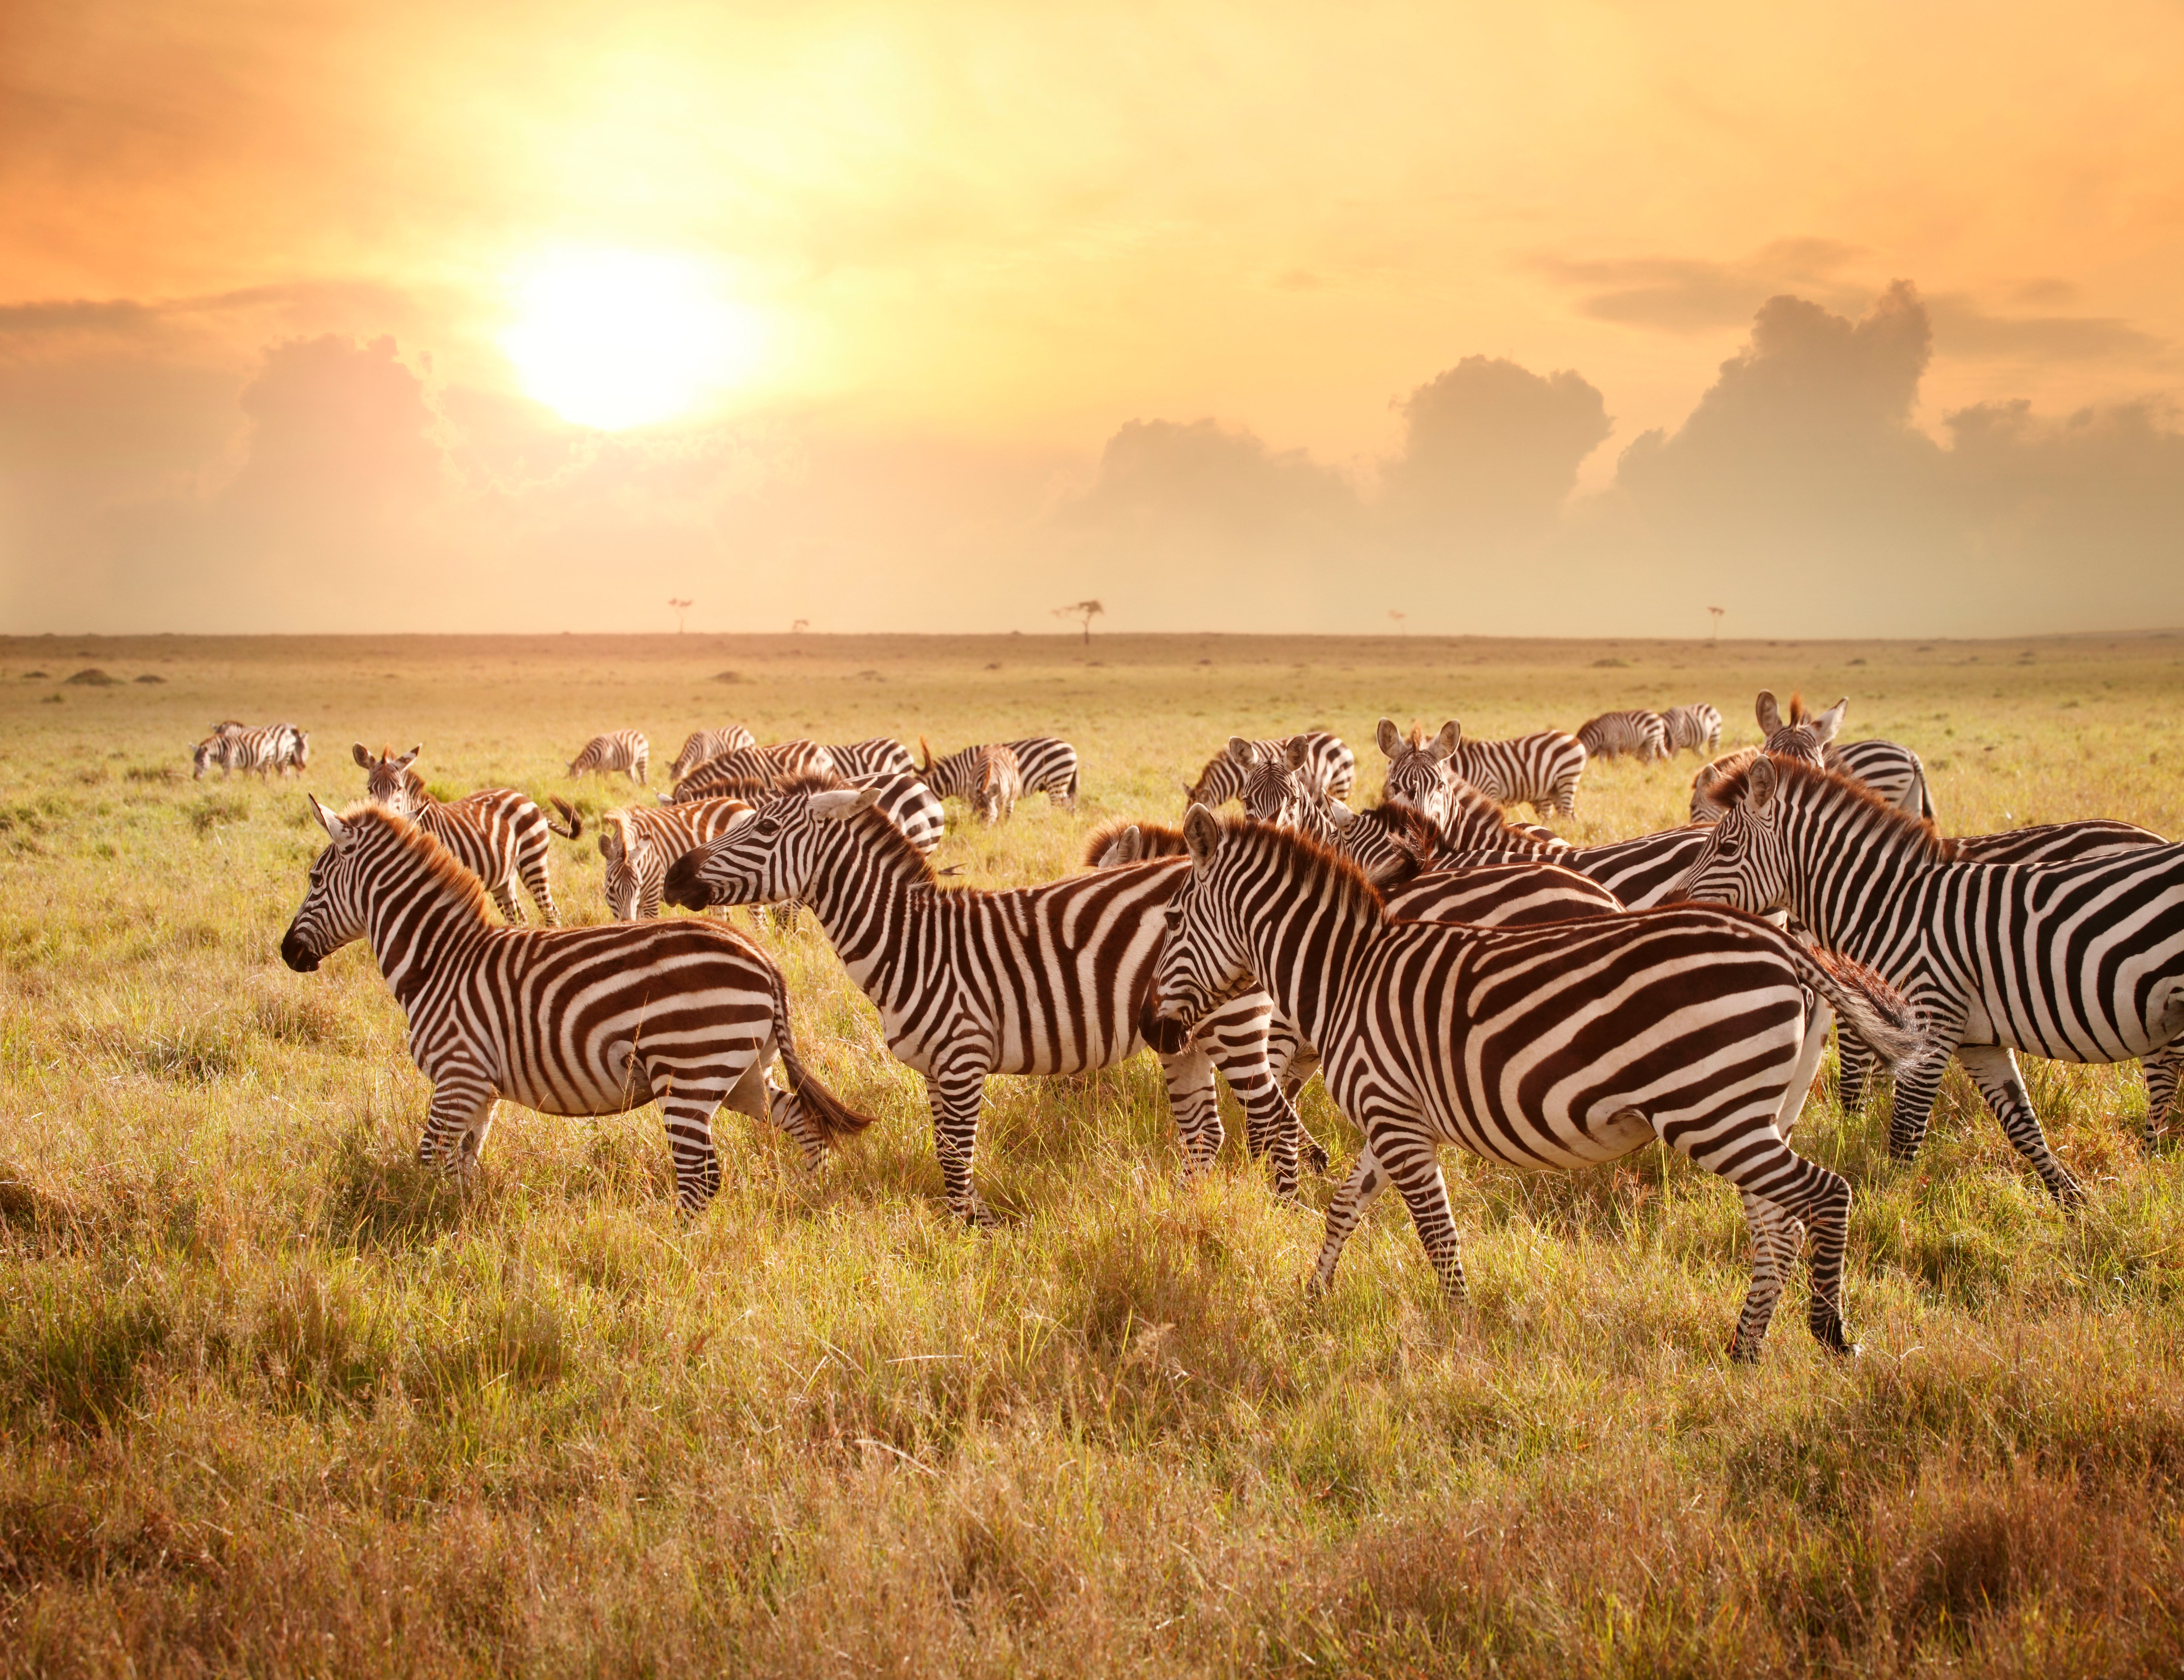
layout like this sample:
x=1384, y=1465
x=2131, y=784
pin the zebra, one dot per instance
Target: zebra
x=1560, y=1045
x=1418, y=772
x=1640, y=734
x=1331, y=766
x=1539, y=770
x=277, y=747
x=704, y=745
x=1697, y=726
x=760, y=768
x=998, y=785
x=583, y=1020
x=882, y=755
x=622, y=749
x=1892, y=771
x=640, y=842
x=1049, y=979
x=1049, y=765
x=2079, y=961
x=497, y=834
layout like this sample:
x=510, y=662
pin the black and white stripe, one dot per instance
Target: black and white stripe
x=1633, y=734
x=1556, y=1047
x=585, y=1021
x=641, y=842
x=1051, y=979
x=619, y=749
x=1541, y=770
x=1697, y=726
x=739, y=773
x=497, y=834
x=231, y=747
x=1049, y=765
x=1329, y=766
x=882, y=755
x=2080, y=962
x=704, y=745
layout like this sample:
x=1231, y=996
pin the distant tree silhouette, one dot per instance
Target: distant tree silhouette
x=681, y=609
x=1085, y=610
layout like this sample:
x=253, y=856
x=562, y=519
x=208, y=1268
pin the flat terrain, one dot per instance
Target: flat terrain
x=272, y=1399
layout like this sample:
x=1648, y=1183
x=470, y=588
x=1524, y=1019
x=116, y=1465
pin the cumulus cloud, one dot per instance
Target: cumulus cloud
x=1491, y=449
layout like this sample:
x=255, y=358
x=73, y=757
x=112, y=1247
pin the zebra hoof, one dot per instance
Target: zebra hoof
x=1315, y=1158
x=1743, y=1352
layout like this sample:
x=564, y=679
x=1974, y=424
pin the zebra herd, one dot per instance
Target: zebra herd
x=1452, y=975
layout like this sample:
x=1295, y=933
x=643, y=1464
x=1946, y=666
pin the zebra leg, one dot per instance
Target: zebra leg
x=1235, y=1036
x=2161, y=1070
x=1855, y=1066
x=456, y=1127
x=1293, y=1062
x=541, y=891
x=1776, y=1236
x=1767, y=1170
x=1196, y=1107
x=1366, y=1181
x=957, y=1091
x=1416, y=1170
x=690, y=1116
x=1917, y=1084
x=1994, y=1070
x=504, y=894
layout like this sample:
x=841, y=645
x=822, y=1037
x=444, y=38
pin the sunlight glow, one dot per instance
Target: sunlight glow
x=621, y=338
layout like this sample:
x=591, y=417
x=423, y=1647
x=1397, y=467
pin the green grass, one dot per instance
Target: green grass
x=273, y=1400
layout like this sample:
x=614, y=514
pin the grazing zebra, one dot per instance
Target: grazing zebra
x=1561, y=1045
x=1051, y=979
x=760, y=768
x=704, y=745
x=2080, y=962
x=1541, y=770
x=231, y=747
x=1640, y=734
x=497, y=834
x=581, y=1020
x=622, y=749
x=1048, y=766
x=998, y=784
x=639, y=842
x=882, y=755
x=1330, y=766
x=1697, y=726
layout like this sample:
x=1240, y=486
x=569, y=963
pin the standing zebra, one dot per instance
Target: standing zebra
x=1556, y=1047
x=882, y=755
x=583, y=1021
x=622, y=749
x=2080, y=962
x=704, y=745
x=1893, y=772
x=1048, y=766
x=1697, y=726
x=765, y=768
x=1539, y=770
x=998, y=785
x=1640, y=734
x=640, y=842
x=1329, y=766
x=497, y=833
x=1051, y=979
x=231, y=747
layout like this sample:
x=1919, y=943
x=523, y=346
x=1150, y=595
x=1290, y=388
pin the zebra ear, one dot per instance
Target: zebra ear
x=1768, y=714
x=1389, y=737
x=1338, y=813
x=1126, y=848
x=1201, y=833
x=1444, y=744
x=363, y=759
x=1297, y=753
x=1760, y=781
x=1241, y=751
x=1829, y=722
x=337, y=830
x=409, y=757
x=1189, y=795
x=841, y=803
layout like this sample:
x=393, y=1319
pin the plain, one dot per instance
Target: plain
x=272, y=1399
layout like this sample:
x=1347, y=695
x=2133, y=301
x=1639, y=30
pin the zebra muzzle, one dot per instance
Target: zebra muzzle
x=684, y=887
x=298, y=955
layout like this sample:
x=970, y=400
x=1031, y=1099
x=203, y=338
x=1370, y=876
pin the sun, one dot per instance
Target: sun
x=613, y=339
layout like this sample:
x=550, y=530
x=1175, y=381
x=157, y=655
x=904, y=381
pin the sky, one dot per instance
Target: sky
x=1568, y=318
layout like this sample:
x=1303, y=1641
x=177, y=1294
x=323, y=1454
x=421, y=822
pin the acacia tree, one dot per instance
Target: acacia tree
x=1085, y=610
x=682, y=609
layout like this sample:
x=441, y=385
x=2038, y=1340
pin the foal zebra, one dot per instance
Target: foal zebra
x=1697, y=726
x=583, y=1021
x=762, y=768
x=496, y=833
x=1639, y=734
x=619, y=749
x=1051, y=979
x=1048, y=766
x=704, y=745
x=1561, y=1046
x=2080, y=962
x=1329, y=766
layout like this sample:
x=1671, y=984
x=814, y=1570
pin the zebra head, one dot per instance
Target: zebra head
x=389, y=782
x=210, y=751
x=629, y=859
x=769, y=857
x=1801, y=735
x=1746, y=862
x=1204, y=959
x=301, y=757
x=1418, y=773
x=332, y=913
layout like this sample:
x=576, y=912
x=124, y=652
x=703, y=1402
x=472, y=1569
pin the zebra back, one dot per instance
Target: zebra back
x=704, y=745
x=1697, y=726
x=881, y=755
x=1638, y=734
x=1541, y=770
x=619, y=749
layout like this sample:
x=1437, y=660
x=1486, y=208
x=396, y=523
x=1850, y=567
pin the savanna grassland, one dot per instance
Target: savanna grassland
x=272, y=1399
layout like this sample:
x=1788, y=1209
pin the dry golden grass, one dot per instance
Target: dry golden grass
x=271, y=1400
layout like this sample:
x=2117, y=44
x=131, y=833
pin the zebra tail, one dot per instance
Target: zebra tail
x=1880, y=1014
x=836, y=1119
x=569, y=813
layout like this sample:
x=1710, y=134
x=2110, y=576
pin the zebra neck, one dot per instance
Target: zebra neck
x=871, y=908
x=416, y=923
x=1305, y=960
x=1844, y=884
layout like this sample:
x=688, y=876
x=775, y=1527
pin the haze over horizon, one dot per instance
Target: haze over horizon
x=1577, y=321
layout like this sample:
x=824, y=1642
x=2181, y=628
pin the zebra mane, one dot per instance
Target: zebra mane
x=808, y=781
x=1796, y=713
x=1326, y=871
x=1401, y=824
x=1838, y=788
x=456, y=882
x=1160, y=840
x=882, y=838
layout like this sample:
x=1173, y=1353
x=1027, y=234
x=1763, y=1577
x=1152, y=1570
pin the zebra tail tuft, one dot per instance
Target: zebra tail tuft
x=836, y=1120
x=569, y=814
x=1883, y=1017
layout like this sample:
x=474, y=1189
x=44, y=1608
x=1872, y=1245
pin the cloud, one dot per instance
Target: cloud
x=1686, y=295
x=1492, y=449
x=1962, y=328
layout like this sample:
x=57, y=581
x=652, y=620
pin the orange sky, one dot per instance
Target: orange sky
x=975, y=241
